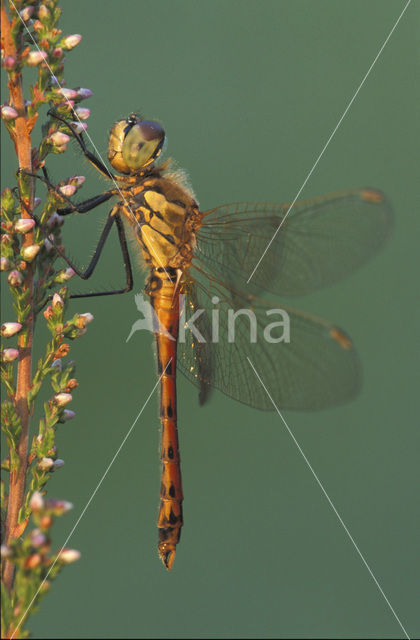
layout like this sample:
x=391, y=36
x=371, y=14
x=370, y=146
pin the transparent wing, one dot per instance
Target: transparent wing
x=313, y=366
x=321, y=241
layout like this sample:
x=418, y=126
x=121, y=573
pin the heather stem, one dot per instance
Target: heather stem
x=22, y=143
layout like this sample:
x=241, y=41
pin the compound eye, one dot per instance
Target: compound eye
x=142, y=144
x=151, y=130
x=134, y=143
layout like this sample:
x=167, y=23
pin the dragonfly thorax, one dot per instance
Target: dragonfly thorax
x=134, y=144
x=165, y=218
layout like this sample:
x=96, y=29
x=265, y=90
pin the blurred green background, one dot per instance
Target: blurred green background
x=248, y=93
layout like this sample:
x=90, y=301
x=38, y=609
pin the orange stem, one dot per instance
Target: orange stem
x=22, y=142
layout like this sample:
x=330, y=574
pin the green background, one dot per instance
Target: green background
x=248, y=92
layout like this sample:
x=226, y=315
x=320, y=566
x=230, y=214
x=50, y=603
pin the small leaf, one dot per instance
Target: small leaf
x=7, y=611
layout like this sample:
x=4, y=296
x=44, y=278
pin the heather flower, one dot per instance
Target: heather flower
x=61, y=399
x=15, y=278
x=35, y=57
x=67, y=190
x=82, y=113
x=23, y=225
x=9, y=329
x=36, y=502
x=8, y=355
x=8, y=113
x=58, y=138
x=84, y=93
x=44, y=464
x=29, y=253
x=71, y=41
x=69, y=555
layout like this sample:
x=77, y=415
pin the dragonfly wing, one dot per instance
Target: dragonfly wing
x=316, y=244
x=195, y=355
x=314, y=366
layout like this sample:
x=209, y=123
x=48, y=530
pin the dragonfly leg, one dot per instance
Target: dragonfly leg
x=87, y=205
x=80, y=207
x=85, y=275
x=96, y=162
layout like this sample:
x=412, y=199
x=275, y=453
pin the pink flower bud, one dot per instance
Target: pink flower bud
x=15, y=278
x=70, y=94
x=67, y=190
x=38, y=539
x=59, y=138
x=79, y=127
x=9, y=329
x=78, y=181
x=69, y=555
x=84, y=93
x=23, y=225
x=64, y=275
x=58, y=464
x=57, y=301
x=37, y=501
x=58, y=52
x=8, y=355
x=88, y=317
x=67, y=104
x=82, y=113
x=26, y=13
x=9, y=63
x=71, y=41
x=8, y=113
x=44, y=464
x=6, y=239
x=68, y=415
x=55, y=221
x=35, y=57
x=61, y=399
x=58, y=506
x=5, y=264
x=29, y=253
x=43, y=12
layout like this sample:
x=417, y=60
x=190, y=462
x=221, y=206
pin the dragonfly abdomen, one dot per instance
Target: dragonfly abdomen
x=165, y=302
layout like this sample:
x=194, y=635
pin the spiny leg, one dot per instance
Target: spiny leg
x=85, y=275
x=81, y=207
x=87, y=205
x=97, y=163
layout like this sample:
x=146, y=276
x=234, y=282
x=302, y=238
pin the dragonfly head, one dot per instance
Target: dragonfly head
x=134, y=144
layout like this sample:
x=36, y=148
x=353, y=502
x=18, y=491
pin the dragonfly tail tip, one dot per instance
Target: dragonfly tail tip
x=168, y=558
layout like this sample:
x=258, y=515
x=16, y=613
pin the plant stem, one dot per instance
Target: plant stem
x=22, y=142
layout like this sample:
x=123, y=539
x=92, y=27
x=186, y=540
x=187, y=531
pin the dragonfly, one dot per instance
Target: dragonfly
x=200, y=265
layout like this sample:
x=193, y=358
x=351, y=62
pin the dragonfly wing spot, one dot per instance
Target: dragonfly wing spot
x=372, y=195
x=341, y=338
